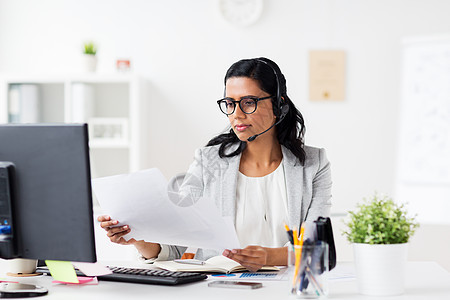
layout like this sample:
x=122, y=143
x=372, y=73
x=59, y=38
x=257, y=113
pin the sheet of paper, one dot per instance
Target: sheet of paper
x=141, y=201
x=62, y=271
x=92, y=269
x=281, y=275
x=271, y=276
x=342, y=273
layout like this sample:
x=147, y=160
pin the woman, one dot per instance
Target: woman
x=259, y=173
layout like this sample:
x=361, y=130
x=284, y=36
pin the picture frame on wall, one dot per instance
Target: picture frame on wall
x=327, y=70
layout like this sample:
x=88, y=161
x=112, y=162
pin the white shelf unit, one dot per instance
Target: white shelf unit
x=114, y=106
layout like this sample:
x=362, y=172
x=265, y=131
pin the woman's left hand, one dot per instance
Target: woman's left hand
x=251, y=257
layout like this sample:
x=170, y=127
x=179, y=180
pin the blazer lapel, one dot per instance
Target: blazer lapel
x=293, y=172
x=229, y=184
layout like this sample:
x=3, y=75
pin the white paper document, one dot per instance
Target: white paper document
x=92, y=269
x=141, y=201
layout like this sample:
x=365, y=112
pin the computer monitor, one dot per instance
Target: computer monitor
x=52, y=199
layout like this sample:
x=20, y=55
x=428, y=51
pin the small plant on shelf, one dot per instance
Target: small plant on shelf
x=90, y=48
x=90, y=58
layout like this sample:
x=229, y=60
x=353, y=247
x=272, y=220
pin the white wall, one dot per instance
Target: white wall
x=184, y=48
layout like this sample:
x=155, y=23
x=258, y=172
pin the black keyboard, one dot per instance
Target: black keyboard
x=147, y=276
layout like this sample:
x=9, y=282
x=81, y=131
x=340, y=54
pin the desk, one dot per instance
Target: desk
x=425, y=280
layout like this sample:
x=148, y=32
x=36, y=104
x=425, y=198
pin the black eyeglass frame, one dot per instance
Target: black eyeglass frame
x=256, y=99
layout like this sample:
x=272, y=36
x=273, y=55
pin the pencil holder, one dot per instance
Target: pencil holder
x=308, y=270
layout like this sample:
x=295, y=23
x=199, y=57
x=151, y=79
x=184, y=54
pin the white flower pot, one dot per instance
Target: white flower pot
x=380, y=269
x=90, y=62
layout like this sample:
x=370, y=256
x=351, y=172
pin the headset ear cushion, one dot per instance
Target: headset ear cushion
x=284, y=110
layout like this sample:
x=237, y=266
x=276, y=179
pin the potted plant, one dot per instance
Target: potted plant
x=90, y=60
x=380, y=230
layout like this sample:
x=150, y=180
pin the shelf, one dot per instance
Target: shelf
x=110, y=103
x=73, y=78
x=108, y=144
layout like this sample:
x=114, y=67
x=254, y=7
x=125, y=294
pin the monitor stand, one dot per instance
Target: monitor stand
x=21, y=267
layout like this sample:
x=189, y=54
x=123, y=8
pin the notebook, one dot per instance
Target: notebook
x=216, y=264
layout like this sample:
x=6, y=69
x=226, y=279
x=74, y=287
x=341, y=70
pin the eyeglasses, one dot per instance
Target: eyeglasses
x=247, y=104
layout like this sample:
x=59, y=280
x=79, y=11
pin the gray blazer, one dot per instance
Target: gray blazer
x=308, y=187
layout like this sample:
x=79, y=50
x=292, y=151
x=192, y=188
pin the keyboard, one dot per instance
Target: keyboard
x=146, y=276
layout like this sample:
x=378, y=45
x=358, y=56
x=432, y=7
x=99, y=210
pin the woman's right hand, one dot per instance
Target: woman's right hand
x=114, y=232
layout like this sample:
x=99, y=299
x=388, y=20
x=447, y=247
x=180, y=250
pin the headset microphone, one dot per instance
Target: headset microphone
x=284, y=111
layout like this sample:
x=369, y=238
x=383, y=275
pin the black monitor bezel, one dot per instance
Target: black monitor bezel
x=53, y=199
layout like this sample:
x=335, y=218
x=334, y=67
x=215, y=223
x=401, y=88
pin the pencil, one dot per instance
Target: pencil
x=298, y=251
x=289, y=233
x=295, y=237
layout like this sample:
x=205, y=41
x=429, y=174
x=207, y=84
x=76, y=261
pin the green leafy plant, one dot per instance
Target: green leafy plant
x=380, y=221
x=90, y=48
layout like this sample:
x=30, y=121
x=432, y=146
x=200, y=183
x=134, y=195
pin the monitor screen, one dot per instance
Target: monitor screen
x=52, y=198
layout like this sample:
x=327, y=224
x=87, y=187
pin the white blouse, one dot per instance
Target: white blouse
x=261, y=209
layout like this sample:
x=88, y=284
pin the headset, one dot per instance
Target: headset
x=282, y=108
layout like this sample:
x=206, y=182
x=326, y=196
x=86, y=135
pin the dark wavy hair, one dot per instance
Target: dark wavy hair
x=290, y=131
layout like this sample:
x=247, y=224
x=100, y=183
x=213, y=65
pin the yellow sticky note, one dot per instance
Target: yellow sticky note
x=62, y=271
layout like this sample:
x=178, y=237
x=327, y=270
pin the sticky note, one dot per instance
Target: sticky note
x=81, y=279
x=92, y=269
x=62, y=271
